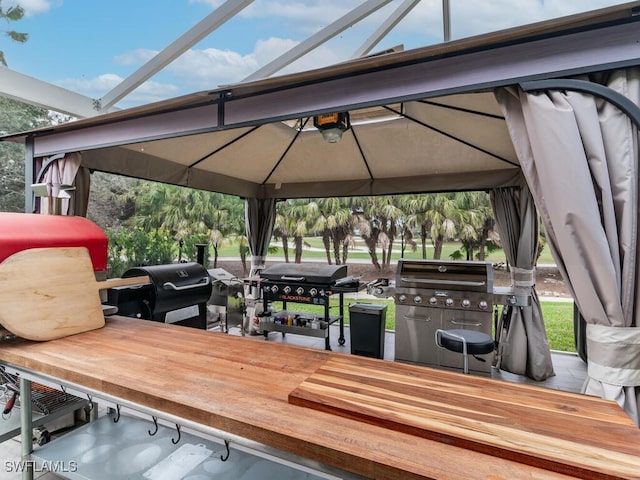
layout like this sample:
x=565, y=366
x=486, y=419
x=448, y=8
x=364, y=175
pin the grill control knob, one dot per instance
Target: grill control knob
x=449, y=302
x=287, y=289
x=313, y=292
x=417, y=299
x=299, y=290
x=274, y=288
x=433, y=300
x=402, y=298
x=466, y=303
x=483, y=304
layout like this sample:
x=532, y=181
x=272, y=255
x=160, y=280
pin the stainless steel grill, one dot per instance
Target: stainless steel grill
x=434, y=294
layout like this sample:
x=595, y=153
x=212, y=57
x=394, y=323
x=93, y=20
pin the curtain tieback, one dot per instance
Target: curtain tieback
x=523, y=278
x=258, y=261
x=614, y=354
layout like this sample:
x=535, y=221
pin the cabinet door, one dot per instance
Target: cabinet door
x=464, y=319
x=415, y=335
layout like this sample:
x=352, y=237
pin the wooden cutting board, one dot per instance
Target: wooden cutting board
x=48, y=293
x=567, y=433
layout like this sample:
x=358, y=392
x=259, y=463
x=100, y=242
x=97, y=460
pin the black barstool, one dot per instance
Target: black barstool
x=466, y=342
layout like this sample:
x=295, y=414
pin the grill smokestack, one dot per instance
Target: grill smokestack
x=202, y=253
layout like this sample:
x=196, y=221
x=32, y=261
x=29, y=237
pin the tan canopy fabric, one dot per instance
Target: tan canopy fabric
x=579, y=155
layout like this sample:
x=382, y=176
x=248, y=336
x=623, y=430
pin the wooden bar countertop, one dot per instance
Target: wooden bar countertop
x=432, y=424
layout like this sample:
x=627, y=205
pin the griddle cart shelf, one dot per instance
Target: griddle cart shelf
x=321, y=330
x=268, y=325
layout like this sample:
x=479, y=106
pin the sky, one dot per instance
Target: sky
x=89, y=46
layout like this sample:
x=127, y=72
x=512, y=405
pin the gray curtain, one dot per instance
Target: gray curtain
x=579, y=156
x=260, y=213
x=80, y=196
x=523, y=347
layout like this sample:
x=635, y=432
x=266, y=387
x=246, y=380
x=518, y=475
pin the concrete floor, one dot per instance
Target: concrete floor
x=570, y=370
x=10, y=453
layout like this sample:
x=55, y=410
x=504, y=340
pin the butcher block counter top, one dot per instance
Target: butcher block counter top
x=377, y=419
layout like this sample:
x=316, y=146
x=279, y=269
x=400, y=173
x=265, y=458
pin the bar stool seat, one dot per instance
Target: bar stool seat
x=466, y=342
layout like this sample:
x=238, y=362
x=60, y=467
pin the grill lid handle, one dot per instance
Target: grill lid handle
x=172, y=286
x=292, y=279
x=444, y=282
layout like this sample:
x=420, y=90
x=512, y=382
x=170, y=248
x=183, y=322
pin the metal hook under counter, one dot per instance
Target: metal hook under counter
x=176, y=440
x=225, y=457
x=155, y=422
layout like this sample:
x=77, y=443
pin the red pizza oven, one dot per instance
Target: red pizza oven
x=22, y=231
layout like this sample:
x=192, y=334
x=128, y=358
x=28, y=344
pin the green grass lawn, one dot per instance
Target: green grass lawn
x=314, y=249
x=558, y=320
x=558, y=317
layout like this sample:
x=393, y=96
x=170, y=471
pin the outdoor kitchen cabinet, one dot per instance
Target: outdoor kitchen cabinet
x=415, y=337
x=441, y=294
x=462, y=319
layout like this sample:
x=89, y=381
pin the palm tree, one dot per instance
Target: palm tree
x=369, y=225
x=480, y=222
x=283, y=229
x=292, y=221
x=333, y=221
x=442, y=215
x=416, y=207
x=406, y=223
x=243, y=247
x=299, y=212
x=191, y=216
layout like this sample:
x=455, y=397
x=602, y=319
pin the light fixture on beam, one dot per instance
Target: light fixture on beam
x=332, y=125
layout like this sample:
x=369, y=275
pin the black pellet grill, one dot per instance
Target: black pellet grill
x=178, y=294
x=306, y=283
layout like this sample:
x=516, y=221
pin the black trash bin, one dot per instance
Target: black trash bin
x=367, y=325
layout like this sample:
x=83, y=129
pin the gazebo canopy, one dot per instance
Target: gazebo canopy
x=421, y=120
x=443, y=118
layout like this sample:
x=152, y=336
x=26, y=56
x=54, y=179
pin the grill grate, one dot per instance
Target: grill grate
x=44, y=399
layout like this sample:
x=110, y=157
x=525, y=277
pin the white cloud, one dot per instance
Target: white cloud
x=469, y=17
x=301, y=13
x=303, y=16
x=135, y=57
x=209, y=68
x=270, y=49
x=203, y=69
x=149, y=91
